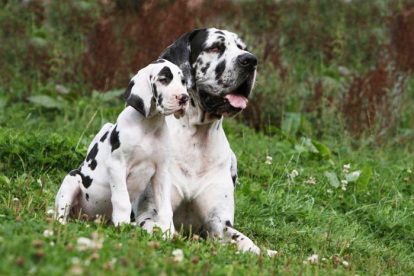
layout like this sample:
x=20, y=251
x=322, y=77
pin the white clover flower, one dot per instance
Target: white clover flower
x=345, y=263
x=85, y=243
x=269, y=160
x=16, y=200
x=48, y=233
x=50, y=212
x=329, y=191
x=39, y=181
x=311, y=181
x=293, y=174
x=75, y=260
x=346, y=168
x=178, y=255
x=344, y=183
x=314, y=259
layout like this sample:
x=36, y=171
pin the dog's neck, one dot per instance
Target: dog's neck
x=198, y=121
x=153, y=121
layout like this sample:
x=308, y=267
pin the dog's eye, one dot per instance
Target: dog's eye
x=239, y=46
x=163, y=80
x=214, y=49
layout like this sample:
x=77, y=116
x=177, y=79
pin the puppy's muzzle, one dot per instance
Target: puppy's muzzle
x=182, y=99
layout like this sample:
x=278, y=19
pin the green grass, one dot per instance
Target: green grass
x=370, y=225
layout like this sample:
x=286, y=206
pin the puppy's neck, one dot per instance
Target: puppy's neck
x=153, y=120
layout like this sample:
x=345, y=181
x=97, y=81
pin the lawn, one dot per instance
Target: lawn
x=290, y=197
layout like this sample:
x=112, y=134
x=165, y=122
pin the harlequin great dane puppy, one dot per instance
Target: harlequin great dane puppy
x=220, y=74
x=124, y=157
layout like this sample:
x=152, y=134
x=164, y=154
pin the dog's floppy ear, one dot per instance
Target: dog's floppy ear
x=182, y=53
x=139, y=93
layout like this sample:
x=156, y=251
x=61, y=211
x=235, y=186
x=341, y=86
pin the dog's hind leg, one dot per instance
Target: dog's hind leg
x=67, y=196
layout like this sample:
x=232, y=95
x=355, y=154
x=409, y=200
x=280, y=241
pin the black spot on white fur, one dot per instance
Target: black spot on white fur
x=220, y=69
x=86, y=179
x=128, y=90
x=114, y=139
x=137, y=103
x=92, y=157
x=87, y=196
x=103, y=138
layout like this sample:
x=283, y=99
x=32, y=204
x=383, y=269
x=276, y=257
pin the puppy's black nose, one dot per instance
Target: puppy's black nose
x=183, y=98
x=247, y=61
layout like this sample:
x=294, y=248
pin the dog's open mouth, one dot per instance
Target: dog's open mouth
x=229, y=104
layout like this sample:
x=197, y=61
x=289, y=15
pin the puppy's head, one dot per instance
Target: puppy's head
x=158, y=88
x=217, y=66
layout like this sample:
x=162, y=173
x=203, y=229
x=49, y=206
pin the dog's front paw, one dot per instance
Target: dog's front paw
x=120, y=221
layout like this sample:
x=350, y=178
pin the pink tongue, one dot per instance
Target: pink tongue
x=237, y=101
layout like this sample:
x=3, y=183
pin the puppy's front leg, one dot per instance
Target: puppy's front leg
x=121, y=205
x=161, y=187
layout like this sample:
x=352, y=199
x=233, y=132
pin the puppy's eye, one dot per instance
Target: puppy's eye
x=239, y=46
x=163, y=80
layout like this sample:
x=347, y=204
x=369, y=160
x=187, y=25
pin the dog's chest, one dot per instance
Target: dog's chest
x=197, y=161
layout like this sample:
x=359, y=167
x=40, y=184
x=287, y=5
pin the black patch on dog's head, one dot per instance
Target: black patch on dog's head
x=183, y=53
x=128, y=90
x=220, y=69
x=160, y=98
x=198, y=44
x=154, y=90
x=137, y=103
x=114, y=139
x=104, y=136
x=167, y=74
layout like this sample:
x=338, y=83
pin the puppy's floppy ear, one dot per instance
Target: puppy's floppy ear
x=182, y=53
x=139, y=93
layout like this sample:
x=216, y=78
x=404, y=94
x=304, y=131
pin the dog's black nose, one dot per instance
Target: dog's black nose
x=247, y=61
x=183, y=98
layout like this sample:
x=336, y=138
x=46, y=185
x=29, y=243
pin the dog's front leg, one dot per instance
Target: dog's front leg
x=121, y=204
x=216, y=207
x=161, y=188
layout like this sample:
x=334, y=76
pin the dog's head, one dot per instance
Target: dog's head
x=217, y=67
x=158, y=88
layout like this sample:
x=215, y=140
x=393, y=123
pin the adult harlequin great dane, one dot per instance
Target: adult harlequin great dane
x=220, y=74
